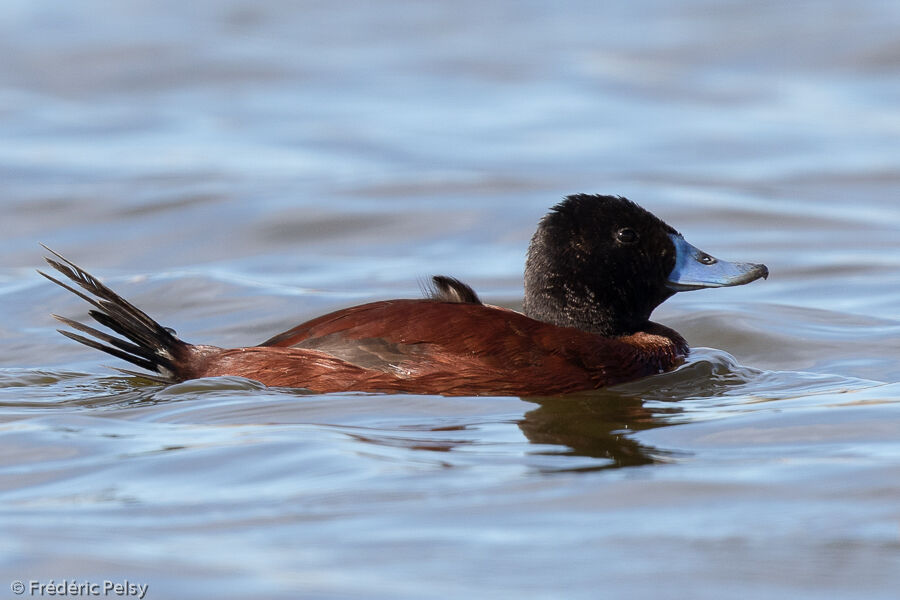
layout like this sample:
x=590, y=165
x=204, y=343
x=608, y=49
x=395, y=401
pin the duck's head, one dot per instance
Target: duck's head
x=603, y=263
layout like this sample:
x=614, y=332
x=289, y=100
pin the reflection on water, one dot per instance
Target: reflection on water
x=601, y=424
x=595, y=425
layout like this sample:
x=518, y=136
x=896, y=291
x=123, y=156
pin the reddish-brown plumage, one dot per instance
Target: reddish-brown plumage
x=596, y=268
x=425, y=346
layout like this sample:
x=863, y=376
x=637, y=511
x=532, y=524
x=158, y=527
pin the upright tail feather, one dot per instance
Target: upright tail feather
x=150, y=345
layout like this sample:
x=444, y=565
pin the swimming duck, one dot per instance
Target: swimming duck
x=596, y=268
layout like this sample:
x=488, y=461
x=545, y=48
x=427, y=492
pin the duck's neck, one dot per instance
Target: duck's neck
x=575, y=310
x=573, y=303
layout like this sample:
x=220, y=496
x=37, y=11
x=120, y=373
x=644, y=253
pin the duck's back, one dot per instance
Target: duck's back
x=450, y=348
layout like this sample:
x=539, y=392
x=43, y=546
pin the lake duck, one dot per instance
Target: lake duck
x=596, y=268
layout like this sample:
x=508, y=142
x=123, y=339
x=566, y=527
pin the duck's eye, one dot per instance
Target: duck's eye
x=626, y=235
x=706, y=259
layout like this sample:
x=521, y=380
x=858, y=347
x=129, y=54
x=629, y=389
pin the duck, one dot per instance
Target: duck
x=596, y=268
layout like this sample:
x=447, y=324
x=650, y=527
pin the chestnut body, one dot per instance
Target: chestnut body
x=597, y=267
x=397, y=346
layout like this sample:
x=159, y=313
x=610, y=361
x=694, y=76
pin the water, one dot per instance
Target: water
x=234, y=168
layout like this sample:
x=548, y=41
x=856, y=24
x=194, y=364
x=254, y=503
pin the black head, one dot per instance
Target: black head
x=603, y=263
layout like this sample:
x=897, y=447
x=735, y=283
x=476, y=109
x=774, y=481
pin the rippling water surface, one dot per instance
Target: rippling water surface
x=235, y=167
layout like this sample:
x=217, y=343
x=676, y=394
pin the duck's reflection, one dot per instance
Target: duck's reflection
x=599, y=424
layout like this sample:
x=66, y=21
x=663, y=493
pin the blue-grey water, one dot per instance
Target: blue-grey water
x=235, y=167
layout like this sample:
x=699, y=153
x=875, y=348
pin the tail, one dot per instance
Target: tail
x=151, y=346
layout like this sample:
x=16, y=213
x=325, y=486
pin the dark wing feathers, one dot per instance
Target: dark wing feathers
x=450, y=289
